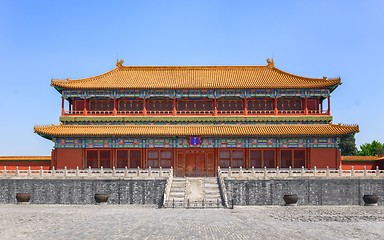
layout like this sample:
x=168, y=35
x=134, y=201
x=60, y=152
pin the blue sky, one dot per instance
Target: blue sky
x=41, y=40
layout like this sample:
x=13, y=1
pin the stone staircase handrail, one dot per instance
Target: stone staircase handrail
x=168, y=187
x=223, y=189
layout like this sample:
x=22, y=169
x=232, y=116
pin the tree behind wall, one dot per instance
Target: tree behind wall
x=347, y=145
x=375, y=148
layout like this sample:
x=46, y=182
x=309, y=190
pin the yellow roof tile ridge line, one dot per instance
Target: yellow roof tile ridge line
x=337, y=79
x=85, y=79
x=192, y=67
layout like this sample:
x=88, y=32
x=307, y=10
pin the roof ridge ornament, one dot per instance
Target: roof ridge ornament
x=270, y=63
x=119, y=64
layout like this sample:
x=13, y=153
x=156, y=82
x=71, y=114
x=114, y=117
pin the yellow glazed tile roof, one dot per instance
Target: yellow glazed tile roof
x=25, y=158
x=360, y=158
x=195, y=77
x=195, y=130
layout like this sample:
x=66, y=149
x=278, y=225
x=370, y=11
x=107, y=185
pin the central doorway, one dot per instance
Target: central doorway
x=195, y=165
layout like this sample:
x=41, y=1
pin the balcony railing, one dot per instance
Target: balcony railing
x=291, y=111
x=100, y=112
x=186, y=112
x=74, y=112
x=261, y=112
x=129, y=112
x=230, y=112
x=199, y=112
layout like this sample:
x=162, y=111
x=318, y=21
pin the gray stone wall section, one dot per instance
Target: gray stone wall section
x=310, y=191
x=77, y=191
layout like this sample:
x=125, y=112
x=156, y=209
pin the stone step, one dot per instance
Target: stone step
x=211, y=185
x=210, y=180
x=176, y=193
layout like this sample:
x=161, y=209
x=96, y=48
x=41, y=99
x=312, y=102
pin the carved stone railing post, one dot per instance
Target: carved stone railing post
x=365, y=171
x=327, y=172
x=161, y=172
x=290, y=171
x=339, y=171
x=89, y=171
x=223, y=189
x=17, y=171
x=28, y=173
x=314, y=171
x=126, y=171
x=253, y=171
x=168, y=188
x=277, y=171
x=65, y=172
x=138, y=171
x=101, y=171
x=53, y=171
x=352, y=171
x=302, y=171
x=77, y=171
x=377, y=171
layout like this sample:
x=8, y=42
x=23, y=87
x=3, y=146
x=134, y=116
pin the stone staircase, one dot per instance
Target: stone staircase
x=211, y=190
x=194, y=193
x=177, y=192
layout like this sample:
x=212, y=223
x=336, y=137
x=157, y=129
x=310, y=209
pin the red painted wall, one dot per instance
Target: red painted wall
x=23, y=165
x=323, y=157
x=70, y=158
x=359, y=165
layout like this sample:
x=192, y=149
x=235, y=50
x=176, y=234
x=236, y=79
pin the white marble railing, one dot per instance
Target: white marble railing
x=168, y=186
x=297, y=173
x=87, y=173
x=223, y=189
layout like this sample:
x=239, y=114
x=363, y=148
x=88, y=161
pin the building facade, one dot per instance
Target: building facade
x=196, y=118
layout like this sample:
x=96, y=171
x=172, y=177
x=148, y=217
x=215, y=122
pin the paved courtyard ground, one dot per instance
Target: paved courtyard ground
x=136, y=222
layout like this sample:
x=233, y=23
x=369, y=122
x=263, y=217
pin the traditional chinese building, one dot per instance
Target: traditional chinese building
x=196, y=118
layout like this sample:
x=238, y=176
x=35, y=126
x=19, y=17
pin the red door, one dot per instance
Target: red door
x=194, y=164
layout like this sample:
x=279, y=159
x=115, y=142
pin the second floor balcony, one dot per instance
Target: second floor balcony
x=201, y=107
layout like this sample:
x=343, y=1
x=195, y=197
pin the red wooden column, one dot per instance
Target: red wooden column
x=306, y=105
x=245, y=106
x=174, y=106
x=85, y=106
x=62, y=106
x=214, y=106
x=275, y=106
x=329, y=105
x=114, y=106
x=144, y=106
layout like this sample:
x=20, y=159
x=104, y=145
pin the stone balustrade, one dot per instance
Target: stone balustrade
x=90, y=173
x=281, y=173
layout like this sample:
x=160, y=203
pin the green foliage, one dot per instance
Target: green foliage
x=375, y=148
x=347, y=145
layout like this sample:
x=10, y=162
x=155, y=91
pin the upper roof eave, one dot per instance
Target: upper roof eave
x=260, y=130
x=195, y=77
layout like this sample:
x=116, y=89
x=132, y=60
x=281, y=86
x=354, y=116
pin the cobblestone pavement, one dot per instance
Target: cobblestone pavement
x=137, y=222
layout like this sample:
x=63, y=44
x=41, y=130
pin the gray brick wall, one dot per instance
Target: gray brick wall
x=310, y=191
x=77, y=191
